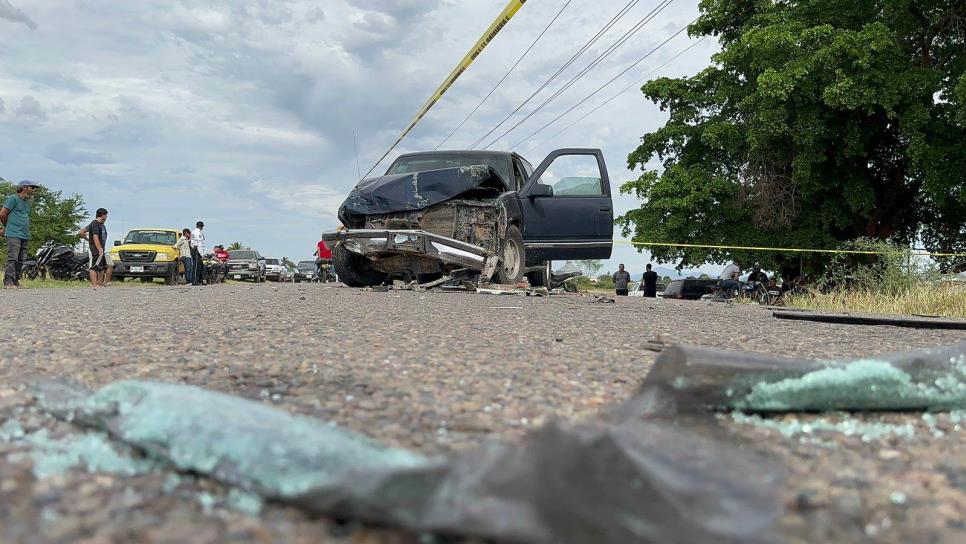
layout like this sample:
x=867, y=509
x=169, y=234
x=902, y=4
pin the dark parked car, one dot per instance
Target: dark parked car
x=489, y=213
x=305, y=271
x=246, y=264
x=689, y=289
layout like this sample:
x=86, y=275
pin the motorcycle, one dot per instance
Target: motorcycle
x=60, y=262
x=326, y=273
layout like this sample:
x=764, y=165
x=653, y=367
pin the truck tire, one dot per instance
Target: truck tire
x=512, y=257
x=354, y=269
x=171, y=278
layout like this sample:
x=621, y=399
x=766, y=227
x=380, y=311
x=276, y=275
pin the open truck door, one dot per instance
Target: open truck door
x=566, y=208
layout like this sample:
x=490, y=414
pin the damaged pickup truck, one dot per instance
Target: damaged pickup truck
x=484, y=214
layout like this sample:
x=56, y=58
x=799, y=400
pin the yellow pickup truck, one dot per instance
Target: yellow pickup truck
x=147, y=254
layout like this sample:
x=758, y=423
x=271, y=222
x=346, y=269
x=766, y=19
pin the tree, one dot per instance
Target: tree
x=288, y=263
x=234, y=246
x=52, y=217
x=819, y=121
x=590, y=267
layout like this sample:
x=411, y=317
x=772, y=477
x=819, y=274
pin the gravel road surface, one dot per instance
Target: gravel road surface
x=434, y=372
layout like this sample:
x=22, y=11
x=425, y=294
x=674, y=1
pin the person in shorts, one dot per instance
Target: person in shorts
x=97, y=239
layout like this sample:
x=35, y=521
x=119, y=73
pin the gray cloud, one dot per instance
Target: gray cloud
x=3, y=108
x=63, y=153
x=58, y=80
x=11, y=13
x=30, y=108
x=250, y=106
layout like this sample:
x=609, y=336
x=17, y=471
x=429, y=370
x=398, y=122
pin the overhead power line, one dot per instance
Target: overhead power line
x=512, y=7
x=505, y=76
x=637, y=83
x=623, y=11
x=602, y=87
x=621, y=41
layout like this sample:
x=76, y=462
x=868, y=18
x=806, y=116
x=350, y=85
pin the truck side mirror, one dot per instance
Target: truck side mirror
x=117, y=243
x=540, y=190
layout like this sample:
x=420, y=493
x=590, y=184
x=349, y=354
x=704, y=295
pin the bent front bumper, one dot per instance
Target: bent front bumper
x=375, y=242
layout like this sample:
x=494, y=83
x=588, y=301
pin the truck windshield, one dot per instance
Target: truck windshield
x=271, y=261
x=160, y=237
x=421, y=163
x=241, y=255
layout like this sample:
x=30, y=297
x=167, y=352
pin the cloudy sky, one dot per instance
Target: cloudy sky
x=242, y=112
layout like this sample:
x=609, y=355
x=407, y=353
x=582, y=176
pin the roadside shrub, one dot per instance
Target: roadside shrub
x=893, y=270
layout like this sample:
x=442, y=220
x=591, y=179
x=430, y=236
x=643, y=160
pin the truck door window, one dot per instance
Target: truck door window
x=574, y=175
x=519, y=176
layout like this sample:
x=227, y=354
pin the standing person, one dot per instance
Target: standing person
x=96, y=239
x=197, y=251
x=183, y=245
x=15, y=225
x=621, y=279
x=84, y=234
x=650, y=282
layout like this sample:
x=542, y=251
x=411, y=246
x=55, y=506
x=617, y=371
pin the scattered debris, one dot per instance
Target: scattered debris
x=506, y=307
x=689, y=379
x=791, y=427
x=604, y=299
x=627, y=480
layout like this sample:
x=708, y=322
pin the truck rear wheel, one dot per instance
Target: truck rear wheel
x=354, y=270
x=512, y=257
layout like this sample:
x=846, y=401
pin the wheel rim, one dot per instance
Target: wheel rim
x=511, y=260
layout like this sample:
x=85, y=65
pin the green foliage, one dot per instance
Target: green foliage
x=235, y=245
x=52, y=217
x=819, y=121
x=893, y=271
x=605, y=281
x=288, y=263
x=590, y=267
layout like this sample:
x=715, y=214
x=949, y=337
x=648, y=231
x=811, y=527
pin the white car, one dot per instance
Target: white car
x=636, y=289
x=273, y=269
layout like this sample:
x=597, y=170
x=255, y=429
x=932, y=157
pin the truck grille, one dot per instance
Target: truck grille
x=138, y=256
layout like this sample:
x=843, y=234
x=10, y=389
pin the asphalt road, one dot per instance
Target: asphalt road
x=434, y=372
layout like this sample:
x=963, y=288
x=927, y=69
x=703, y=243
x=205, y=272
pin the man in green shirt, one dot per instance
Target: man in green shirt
x=15, y=225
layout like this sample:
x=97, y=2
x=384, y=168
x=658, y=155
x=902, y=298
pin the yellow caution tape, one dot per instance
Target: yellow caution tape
x=501, y=20
x=783, y=249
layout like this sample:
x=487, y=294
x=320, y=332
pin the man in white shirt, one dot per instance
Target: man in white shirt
x=197, y=251
x=729, y=276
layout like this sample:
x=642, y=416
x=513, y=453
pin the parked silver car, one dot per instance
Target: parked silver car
x=246, y=264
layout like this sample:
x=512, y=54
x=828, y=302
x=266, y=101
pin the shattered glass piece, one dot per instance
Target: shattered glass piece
x=93, y=452
x=238, y=441
x=613, y=481
x=246, y=503
x=790, y=427
x=688, y=379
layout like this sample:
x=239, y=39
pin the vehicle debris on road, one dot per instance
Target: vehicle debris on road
x=614, y=480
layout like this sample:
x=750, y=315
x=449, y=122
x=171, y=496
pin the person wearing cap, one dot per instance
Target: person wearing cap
x=15, y=226
x=197, y=252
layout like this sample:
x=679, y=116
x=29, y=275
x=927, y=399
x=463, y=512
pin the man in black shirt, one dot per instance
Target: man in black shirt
x=97, y=238
x=650, y=282
x=757, y=276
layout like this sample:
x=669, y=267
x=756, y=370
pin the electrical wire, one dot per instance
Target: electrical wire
x=637, y=83
x=505, y=76
x=602, y=87
x=623, y=11
x=623, y=39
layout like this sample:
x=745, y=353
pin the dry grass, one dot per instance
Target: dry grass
x=923, y=299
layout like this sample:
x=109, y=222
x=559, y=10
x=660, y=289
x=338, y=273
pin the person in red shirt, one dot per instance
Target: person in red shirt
x=221, y=254
x=323, y=256
x=323, y=252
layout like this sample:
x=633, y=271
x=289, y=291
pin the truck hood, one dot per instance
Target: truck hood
x=417, y=190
